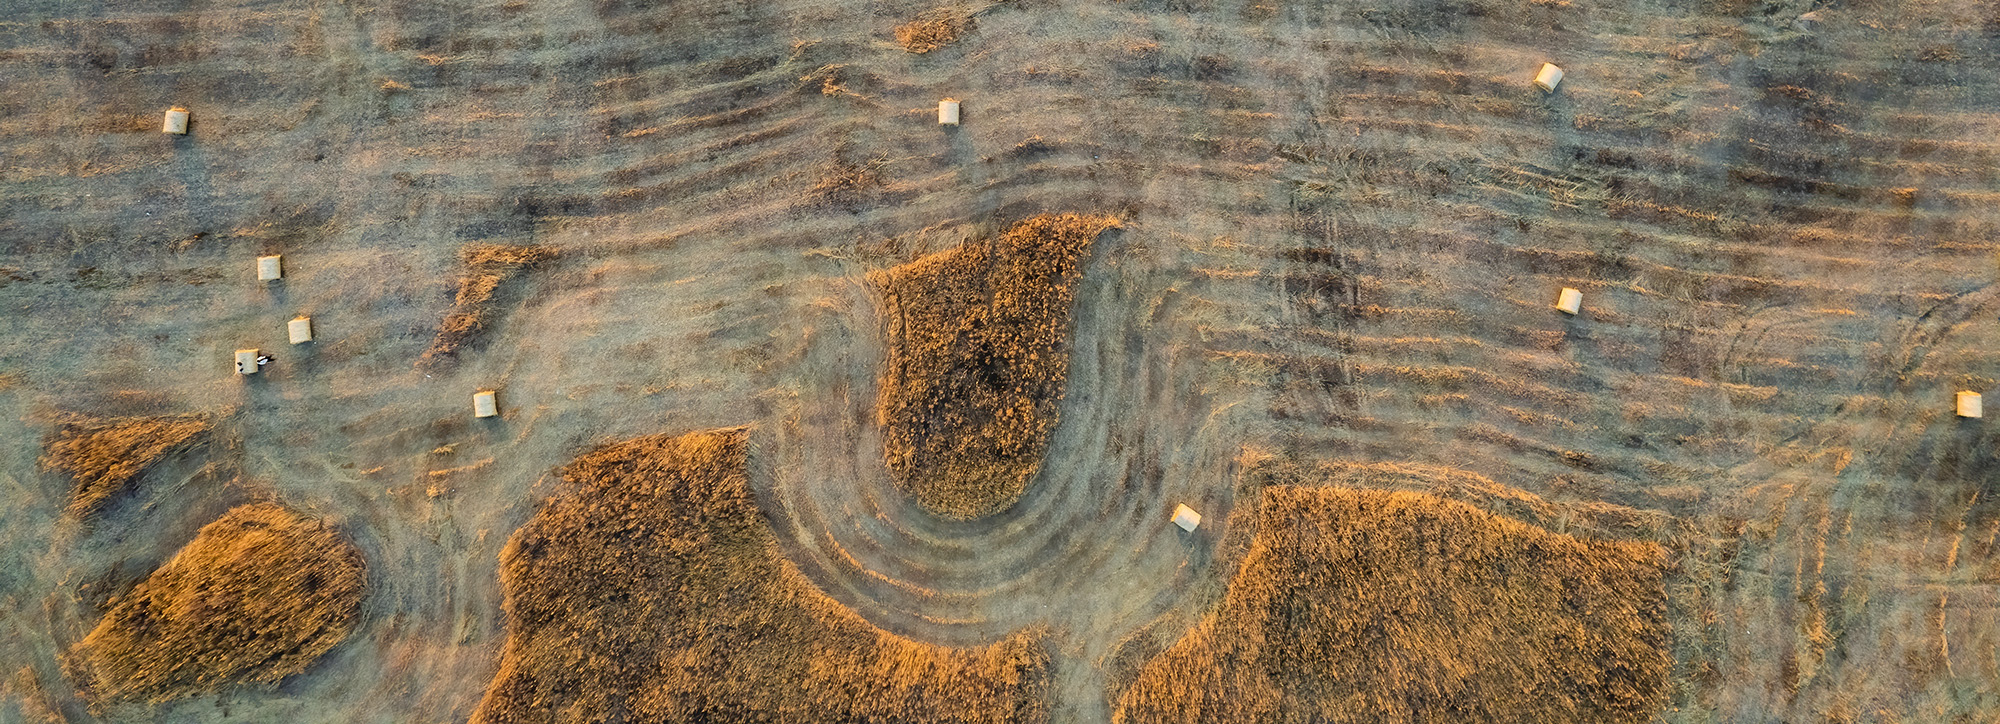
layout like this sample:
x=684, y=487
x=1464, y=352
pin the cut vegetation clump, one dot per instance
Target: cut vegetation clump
x=932, y=31
x=978, y=354
x=487, y=266
x=847, y=184
x=655, y=591
x=259, y=595
x=104, y=457
x=1396, y=607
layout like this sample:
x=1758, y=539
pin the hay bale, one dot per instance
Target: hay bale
x=484, y=404
x=257, y=596
x=299, y=330
x=487, y=266
x=1969, y=404
x=653, y=590
x=1570, y=301
x=1549, y=77
x=176, y=121
x=948, y=112
x=103, y=457
x=1397, y=607
x=978, y=355
x=270, y=268
x=934, y=30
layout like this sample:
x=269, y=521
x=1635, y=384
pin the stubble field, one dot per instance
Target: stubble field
x=1341, y=228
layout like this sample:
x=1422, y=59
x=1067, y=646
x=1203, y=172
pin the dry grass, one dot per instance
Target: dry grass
x=1594, y=519
x=489, y=256
x=103, y=457
x=487, y=266
x=848, y=185
x=978, y=353
x=654, y=591
x=1376, y=606
x=28, y=700
x=934, y=30
x=259, y=595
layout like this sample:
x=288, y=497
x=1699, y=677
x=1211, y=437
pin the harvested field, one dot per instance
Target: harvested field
x=105, y=457
x=1373, y=606
x=259, y=595
x=487, y=266
x=652, y=590
x=978, y=354
x=1343, y=226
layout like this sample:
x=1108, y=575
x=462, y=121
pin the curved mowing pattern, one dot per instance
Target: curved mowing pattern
x=655, y=592
x=1785, y=237
x=978, y=354
x=1373, y=606
x=259, y=595
x=1087, y=551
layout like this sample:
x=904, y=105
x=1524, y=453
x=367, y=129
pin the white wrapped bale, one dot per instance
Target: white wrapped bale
x=1548, y=78
x=1186, y=518
x=269, y=268
x=483, y=404
x=177, y=121
x=948, y=112
x=1570, y=301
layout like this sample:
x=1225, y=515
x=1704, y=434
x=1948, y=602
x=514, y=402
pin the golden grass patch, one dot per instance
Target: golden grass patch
x=654, y=591
x=1398, y=607
x=934, y=30
x=978, y=354
x=487, y=266
x=258, y=595
x=103, y=457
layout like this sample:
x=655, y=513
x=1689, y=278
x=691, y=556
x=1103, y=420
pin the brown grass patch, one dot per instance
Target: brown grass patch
x=978, y=353
x=934, y=30
x=487, y=266
x=257, y=596
x=849, y=184
x=1377, y=606
x=654, y=591
x=103, y=457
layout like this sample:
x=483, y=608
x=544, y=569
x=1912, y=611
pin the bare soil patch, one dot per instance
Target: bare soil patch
x=257, y=596
x=654, y=591
x=104, y=457
x=977, y=357
x=1375, y=606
